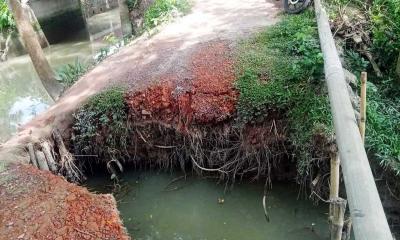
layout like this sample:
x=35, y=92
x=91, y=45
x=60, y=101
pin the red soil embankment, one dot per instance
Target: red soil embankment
x=31, y=208
x=208, y=97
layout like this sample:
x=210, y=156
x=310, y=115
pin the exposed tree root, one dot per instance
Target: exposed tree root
x=32, y=156
x=41, y=159
x=49, y=153
x=228, y=151
x=46, y=157
x=67, y=161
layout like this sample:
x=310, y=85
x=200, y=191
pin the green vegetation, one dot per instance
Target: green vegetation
x=164, y=10
x=132, y=4
x=383, y=127
x=383, y=27
x=281, y=68
x=385, y=21
x=354, y=61
x=70, y=73
x=383, y=93
x=100, y=125
x=6, y=19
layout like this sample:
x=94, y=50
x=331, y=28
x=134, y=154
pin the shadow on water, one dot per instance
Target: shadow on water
x=196, y=208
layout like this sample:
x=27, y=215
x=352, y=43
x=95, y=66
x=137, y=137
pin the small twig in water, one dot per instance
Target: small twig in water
x=320, y=198
x=264, y=201
x=265, y=208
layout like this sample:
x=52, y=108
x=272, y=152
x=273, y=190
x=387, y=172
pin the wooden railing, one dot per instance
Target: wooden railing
x=367, y=215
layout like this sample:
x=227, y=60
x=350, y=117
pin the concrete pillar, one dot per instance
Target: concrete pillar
x=126, y=24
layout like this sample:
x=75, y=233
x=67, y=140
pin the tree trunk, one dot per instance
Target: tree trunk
x=34, y=22
x=337, y=208
x=32, y=45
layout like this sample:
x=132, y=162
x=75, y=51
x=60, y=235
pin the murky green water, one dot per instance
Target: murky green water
x=189, y=210
x=22, y=95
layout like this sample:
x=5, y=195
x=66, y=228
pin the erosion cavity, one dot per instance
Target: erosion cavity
x=189, y=126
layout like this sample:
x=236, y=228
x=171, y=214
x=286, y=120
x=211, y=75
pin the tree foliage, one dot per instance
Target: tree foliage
x=6, y=19
x=164, y=10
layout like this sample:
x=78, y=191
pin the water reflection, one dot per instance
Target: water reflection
x=22, y=95
x=23, y=110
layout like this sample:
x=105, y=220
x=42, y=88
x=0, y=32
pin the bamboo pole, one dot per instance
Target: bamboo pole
x=347, y=234
x=363, y=105
x=335, y=176
x=337, y=208
x=369, y=220
x=336, y=213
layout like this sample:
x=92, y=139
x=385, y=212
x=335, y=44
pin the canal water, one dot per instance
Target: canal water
x=22, y=95
x=153, y=208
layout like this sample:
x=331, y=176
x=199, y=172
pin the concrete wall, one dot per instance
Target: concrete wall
x=49, y=8
x=59, y=19
x=93, y=7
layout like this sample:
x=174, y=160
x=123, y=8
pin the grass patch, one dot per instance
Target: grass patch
x=383, y=127
x=281, y=68
x=164, y=10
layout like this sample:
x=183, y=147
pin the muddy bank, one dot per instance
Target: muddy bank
x=39, y=205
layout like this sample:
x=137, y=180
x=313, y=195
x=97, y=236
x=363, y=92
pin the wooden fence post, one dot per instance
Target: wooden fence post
x=337, y=209
x=335, y=176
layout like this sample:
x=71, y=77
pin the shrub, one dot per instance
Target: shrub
x=6, y=18
x=354, y=61
x=70, y=73
x=163, y=10
x=100, y=125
